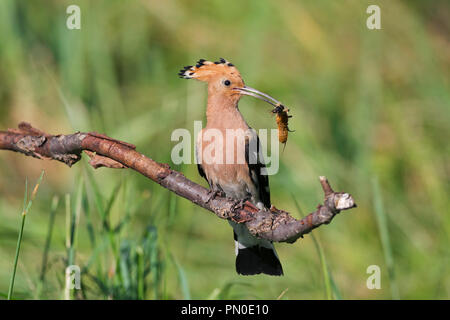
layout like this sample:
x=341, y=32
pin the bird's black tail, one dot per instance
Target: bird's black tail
x=256, y=260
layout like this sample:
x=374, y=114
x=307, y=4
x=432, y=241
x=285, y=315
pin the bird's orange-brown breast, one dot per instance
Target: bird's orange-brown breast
x=221, y=146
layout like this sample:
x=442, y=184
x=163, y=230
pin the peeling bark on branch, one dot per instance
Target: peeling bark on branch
x=274, y=224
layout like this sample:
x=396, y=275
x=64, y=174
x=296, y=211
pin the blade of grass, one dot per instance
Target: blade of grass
x=113, y=236
x=72, y=221
x=69, y=230
x=153, y=265
x=381, y=218
x=67, y=295
x=11, y=285
x=140, y=273
x=54, y=206
x=282, y=294
x=334, y=287
x=77, y=212
x=183, y=279
x=26, y=209
x=225, y=291
x=124, y=267
x=98, y=198
x=94, y=191
x=114, y=239
x=89, y=222
x=214, y=294
x=331, y=288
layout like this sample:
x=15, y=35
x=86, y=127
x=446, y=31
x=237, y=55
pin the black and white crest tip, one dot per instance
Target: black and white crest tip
x=188, y=72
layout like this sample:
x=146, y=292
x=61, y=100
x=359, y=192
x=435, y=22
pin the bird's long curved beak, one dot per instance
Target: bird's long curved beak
x=258, y=94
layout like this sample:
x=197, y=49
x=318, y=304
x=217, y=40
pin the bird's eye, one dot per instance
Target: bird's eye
x=227, y=82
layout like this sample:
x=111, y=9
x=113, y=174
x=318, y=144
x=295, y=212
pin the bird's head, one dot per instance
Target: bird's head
x=223, y=78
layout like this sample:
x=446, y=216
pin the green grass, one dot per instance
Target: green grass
x=370, y=112
x=383, y=227
x=45, y=254
x=331, y=289
x=26, y=209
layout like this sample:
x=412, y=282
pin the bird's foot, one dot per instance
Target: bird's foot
x=273, y=209
x=212, y=194
x=249, y=205
x=244, y=211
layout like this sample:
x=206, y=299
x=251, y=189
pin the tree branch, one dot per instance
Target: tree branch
x=271, y=224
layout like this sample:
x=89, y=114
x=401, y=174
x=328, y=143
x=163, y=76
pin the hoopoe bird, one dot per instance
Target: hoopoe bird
x=241, y=175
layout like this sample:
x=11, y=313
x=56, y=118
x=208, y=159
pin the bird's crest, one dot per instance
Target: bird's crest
x=205, y=70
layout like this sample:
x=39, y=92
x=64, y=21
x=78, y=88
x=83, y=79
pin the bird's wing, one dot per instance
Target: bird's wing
x=199, y=166
x=255, y=161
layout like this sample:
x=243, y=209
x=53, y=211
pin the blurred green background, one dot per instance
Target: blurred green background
x=371, y=112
